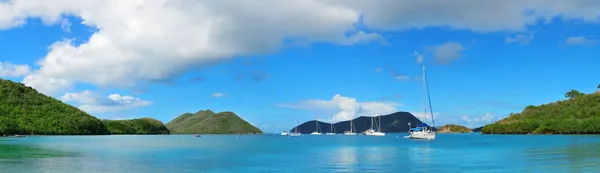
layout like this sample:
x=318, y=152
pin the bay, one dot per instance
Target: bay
x=274, y=153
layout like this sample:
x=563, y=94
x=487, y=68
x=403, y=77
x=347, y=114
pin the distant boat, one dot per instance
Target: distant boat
x=295, y=133
x=422, y=131
x=284, y=133
x=372, y=132
x=197, y=135
x=331, y=130
x=316, y=132
x=352, y=131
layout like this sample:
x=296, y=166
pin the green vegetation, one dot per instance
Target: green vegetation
x=207, y=122
x=453, y=128
x=25, y=111
x=579, y=114
x=135, y=126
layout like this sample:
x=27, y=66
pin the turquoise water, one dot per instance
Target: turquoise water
x=274, y=153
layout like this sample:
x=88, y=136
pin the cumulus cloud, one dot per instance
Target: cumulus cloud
x=8, y=69
x=580, y=40
x=343, y=108
x=419, y=57
x=217, y=95
x=161, y=39
x=479, y=121
x=447, y=52
x=91, y=102
x=521, y=39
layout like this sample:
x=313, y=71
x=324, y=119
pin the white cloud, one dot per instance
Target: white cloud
x=479, y=121
x=217, y=95
x=345, y=108
x=161, y=39
x=521, y=39
x=65, y=25
x=447, y=52
x=402, y=77
x=419, y=57
x=91, y=102
x=8, y=69
x=580, y=40
x=47, y=85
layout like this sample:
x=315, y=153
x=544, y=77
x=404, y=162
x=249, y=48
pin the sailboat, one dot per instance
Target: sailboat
x=331, y=130
x=352, y=130
x=295, y=133
x=423, y=131
x=316, y=132
x=372, y=132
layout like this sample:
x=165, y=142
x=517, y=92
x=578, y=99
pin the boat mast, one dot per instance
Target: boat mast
x=379, y=126
x=426, y=88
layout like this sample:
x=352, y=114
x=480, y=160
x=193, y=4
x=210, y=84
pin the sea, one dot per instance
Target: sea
x=313, y=154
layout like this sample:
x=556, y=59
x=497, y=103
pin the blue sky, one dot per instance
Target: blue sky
x=117, y=67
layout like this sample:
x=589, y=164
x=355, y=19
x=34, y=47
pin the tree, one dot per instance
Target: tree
x=598, y=87
x=573, y=93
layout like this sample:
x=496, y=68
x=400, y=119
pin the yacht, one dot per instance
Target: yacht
x=316, y=132
x=372, y=132
x=295, y=133
x=331, y=130
x=424, y=131
x=284, y=133
x=351, y=132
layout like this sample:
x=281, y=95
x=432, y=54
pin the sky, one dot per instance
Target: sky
x=274, y=62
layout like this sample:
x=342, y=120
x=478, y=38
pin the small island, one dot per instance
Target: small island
x=208, y=122
x=135, y=126
x=578, y=114
x=453, y=128
x=24, y=111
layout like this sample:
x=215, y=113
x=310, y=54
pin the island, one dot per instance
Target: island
x=25, y=111
x=453, y=128
x=395, y=122
x=478, y=129
x=209, y=122
x=578, y=114
x=135, y=126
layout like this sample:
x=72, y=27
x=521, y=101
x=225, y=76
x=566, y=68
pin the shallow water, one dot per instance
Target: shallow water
x=274, y=153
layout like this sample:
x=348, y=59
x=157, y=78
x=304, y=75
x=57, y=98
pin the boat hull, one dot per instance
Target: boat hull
x=350, y=134
x=316, y=133
x=421, y=135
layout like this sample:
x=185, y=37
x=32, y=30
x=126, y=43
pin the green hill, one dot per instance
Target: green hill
x=579, y=114
x=453, y=128
x=207, y=122
x=135, y=126
x=25, y=111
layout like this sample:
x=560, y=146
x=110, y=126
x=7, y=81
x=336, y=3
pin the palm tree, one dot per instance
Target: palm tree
x=598, y=87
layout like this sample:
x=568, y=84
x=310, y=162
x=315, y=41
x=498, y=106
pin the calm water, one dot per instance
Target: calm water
x=273, y=153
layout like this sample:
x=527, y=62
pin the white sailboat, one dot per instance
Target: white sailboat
x=423, y=131
x=316, y=132
x=352, y=130
x=331, y=130
x=295, y=133
x=372, y=132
